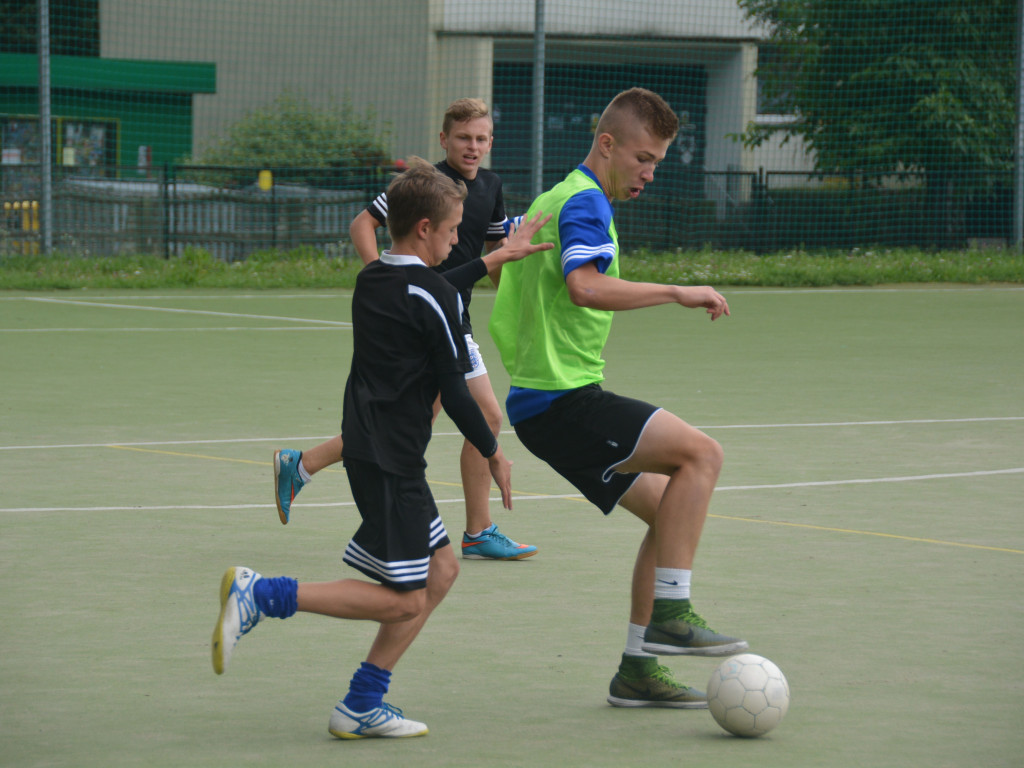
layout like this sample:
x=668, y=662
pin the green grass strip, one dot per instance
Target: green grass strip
x=307, y=268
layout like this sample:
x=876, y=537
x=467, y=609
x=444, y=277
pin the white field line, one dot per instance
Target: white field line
x=207, y=329
x=174, y=310
x=346, y=294
x=872, y=480
x=864, y=423
x=325, y=324
x=529, y=497
x=341, y=294
x=321, y=438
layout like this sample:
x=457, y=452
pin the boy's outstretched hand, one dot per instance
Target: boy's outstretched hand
x=518, y=245
x=704, y=296
x=501, y=471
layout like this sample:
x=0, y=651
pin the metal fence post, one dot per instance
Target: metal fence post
x=1018, y=196
x=538, y=97
x=45, y=139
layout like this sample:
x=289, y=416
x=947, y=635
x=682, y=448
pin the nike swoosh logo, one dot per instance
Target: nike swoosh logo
x=682, y=637
x=670, y=583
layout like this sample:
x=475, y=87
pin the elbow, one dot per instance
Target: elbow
x=582, y=297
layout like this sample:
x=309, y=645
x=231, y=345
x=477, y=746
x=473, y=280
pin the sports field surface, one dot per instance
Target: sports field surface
x=867, y=536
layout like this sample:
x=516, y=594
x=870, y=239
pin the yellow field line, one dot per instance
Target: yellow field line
x=806, y=526
x=185, y=455
x=872, y=533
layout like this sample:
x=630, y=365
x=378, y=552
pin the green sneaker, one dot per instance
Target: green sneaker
x=687, y=634
x=642, y=682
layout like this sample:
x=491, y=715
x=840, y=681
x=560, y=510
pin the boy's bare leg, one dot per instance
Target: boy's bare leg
x=680, y=467
x=323, y=455
x=476, y=488
x=289, y=480
x=393, y=639
x=476, y=476
x=355, y=599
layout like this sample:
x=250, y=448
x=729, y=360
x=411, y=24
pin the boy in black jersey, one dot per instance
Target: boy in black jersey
x=408, y=344
x=466, y=137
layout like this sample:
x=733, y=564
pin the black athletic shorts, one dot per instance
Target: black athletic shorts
x=583, y=435
x=401, y=527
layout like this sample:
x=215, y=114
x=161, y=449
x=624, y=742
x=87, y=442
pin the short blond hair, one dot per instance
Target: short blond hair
x=462, y=110
x=420, y=192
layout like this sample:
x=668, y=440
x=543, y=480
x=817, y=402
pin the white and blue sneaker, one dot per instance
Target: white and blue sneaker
x=238, y=613
x=287, y=482
x=385, y=721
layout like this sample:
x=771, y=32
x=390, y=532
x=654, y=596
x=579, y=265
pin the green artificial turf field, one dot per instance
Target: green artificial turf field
x=866, y=536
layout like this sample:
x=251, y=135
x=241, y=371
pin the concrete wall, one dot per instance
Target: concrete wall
x=327, y=50
x=409, y=58
x=693, y=19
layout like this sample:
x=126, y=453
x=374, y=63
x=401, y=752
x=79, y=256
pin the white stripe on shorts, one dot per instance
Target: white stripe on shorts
x=399, y=572
x=479, y=369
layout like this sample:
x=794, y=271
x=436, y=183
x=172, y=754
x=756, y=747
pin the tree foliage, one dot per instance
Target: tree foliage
x=291, y=132
x=880, y=86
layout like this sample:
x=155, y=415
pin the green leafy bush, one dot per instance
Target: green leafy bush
x=293, y=133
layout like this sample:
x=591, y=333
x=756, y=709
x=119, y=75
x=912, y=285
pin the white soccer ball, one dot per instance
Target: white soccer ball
x=748, y=695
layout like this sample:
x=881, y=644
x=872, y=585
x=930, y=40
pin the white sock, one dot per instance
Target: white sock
x=635, y=641
x=306, y=477
x=672, y=583
x=481, y=532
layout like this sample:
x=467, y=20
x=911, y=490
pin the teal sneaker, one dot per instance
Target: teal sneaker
x=238, y=614
x=385, y=721
x=287, y=482
x=687, y=634
x=642, y=682
x=492, y=544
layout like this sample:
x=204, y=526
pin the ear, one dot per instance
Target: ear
x=422, y=229
x=444, y=141
x=605, y=142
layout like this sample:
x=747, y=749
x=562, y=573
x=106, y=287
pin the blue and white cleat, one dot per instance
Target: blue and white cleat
x=385, y=721
x=287, y=482
x=238, y=613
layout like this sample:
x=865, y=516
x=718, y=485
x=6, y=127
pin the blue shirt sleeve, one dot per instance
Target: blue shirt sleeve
x=583, y=229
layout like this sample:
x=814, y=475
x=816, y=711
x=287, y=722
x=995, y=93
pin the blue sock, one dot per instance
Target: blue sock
x=367, y=689
x=277, y=598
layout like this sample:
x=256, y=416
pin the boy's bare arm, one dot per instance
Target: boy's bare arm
x=588, y=287
x=363, y=233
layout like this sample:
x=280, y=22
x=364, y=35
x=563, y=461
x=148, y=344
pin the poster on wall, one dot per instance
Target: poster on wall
x=84, y=145
x=20, y=141
x=19, y=169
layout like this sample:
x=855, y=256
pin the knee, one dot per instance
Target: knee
x=707, y=456
x=715, y=455
x=404, y=605
x=442, y=575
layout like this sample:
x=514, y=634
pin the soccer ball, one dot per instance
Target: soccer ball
x=748, y=695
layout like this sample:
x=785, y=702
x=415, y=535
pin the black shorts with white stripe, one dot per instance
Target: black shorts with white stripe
x=401, y=527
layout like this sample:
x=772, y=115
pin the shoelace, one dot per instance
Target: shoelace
x=499, y=536
x=691, y=617
x=664, y=675
x=249, y=614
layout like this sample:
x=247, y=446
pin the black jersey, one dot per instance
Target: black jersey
x=483, y=219
x=408, y=344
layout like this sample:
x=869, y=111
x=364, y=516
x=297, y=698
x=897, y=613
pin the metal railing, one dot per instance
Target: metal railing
x=234, y=212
